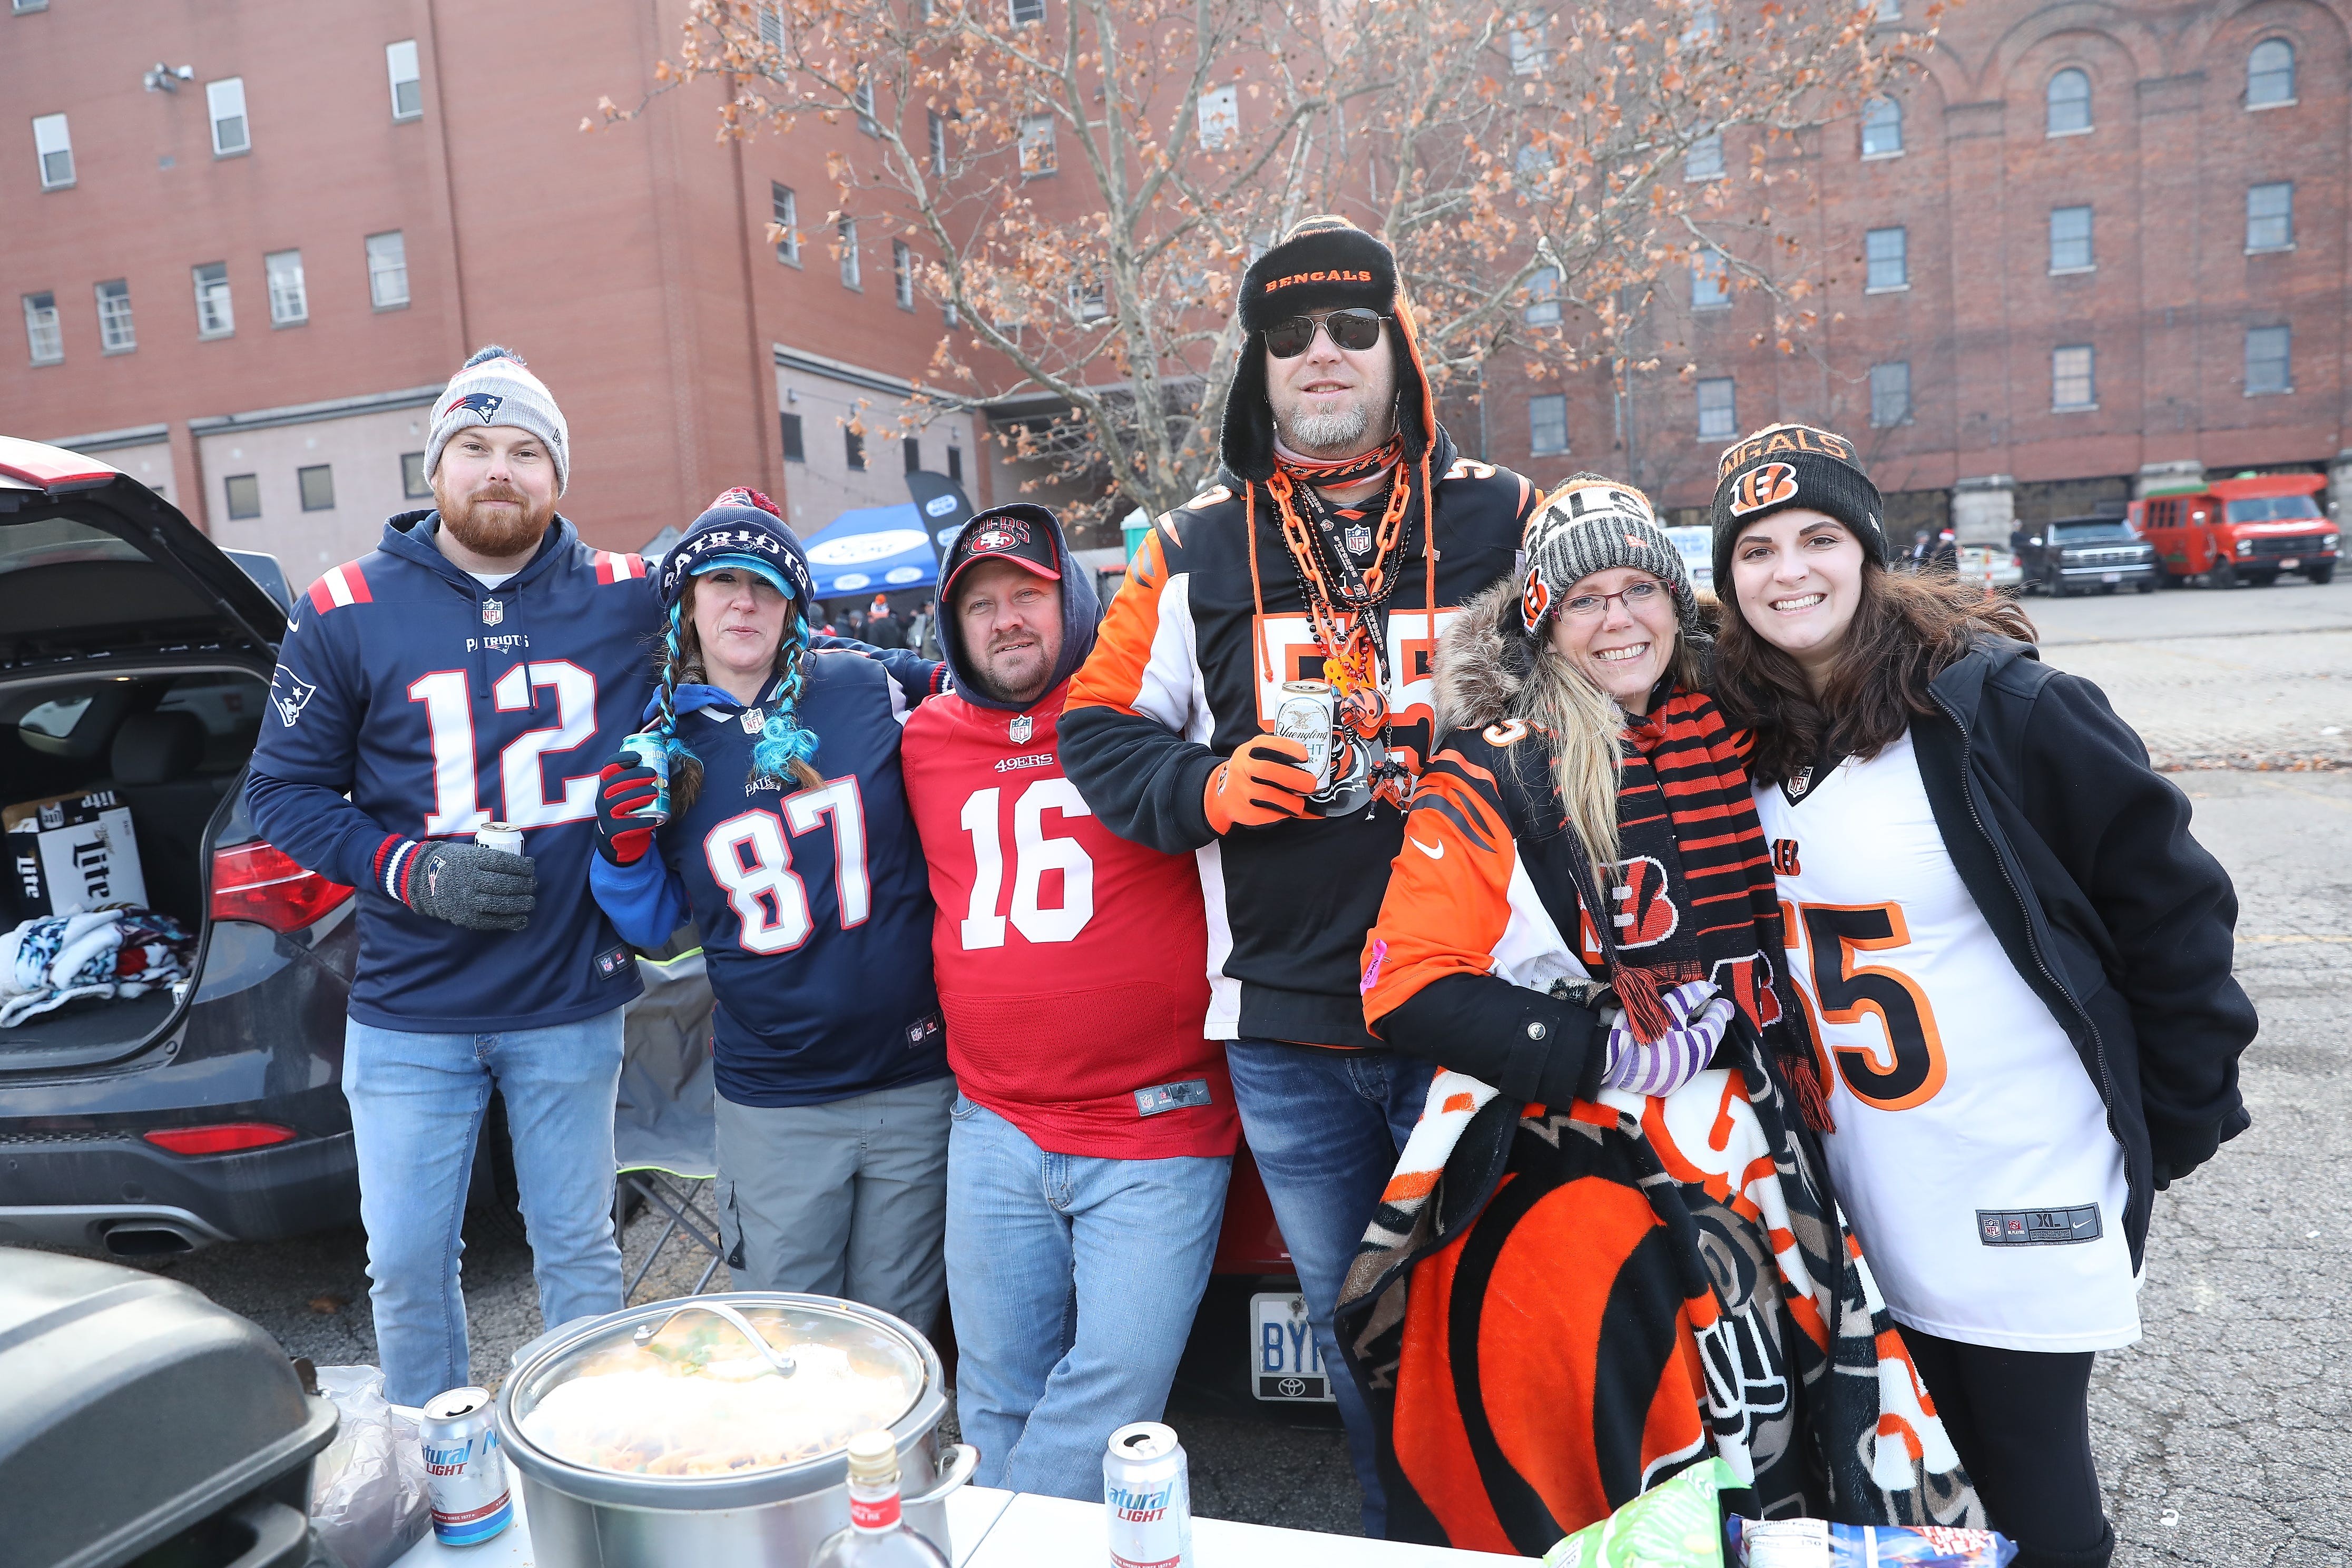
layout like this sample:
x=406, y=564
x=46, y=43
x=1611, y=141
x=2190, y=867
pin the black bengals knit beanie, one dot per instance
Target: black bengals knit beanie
x=1324, y=263
x=1782, y=466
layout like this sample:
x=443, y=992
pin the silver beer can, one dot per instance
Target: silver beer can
x=646, y=747
x=503, y=835
x=1148, y=1495
x=1307, y=713
x=464, y=1471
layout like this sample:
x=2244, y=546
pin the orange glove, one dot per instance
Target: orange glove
x=1259, y=783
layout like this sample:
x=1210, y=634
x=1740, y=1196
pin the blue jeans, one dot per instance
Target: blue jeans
x=417, y=1103
x=1073, y=1281
x=1326, y=1128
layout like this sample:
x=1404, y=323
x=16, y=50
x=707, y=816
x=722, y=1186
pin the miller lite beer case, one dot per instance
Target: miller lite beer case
x=71, y=854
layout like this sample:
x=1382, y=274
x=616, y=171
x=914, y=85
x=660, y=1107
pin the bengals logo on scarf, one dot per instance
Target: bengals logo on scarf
x=1647, y=915
x=1759, y=488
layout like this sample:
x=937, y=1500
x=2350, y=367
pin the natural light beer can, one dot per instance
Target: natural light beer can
x=503, y=835
x=465, y=1473
x=1308, y=714
x=1148, y=1497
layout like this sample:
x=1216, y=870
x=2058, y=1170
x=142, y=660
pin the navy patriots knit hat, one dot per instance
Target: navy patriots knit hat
x=741, y=528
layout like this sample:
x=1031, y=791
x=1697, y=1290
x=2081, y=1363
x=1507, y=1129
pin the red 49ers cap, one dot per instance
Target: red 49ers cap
x=1023, y=534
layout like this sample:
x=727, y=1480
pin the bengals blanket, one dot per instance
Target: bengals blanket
x=1555, y=1311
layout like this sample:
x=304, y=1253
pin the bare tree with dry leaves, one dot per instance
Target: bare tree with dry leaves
x=1085, y=180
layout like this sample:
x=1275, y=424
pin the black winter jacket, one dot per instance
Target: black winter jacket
x=2079, y=857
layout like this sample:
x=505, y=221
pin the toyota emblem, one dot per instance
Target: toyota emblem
x=1293, y=1387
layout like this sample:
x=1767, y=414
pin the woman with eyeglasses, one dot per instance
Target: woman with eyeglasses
x=1608, y=1253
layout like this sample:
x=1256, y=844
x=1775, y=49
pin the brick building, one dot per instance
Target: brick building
x=2091, y=245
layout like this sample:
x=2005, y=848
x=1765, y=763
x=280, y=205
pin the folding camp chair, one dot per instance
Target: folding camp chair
x=664, y=1141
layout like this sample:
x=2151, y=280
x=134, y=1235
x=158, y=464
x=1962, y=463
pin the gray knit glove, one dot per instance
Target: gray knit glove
x=470, y=886
x=1700, y=1015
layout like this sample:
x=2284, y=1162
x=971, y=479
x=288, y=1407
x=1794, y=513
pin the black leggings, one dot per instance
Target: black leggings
x=2021, y=1422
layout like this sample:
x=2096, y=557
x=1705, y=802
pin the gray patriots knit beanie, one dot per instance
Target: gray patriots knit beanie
x=1590, y=524
x=495, y=388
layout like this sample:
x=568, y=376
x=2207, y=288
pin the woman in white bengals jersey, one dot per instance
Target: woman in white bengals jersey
x=2017, y=959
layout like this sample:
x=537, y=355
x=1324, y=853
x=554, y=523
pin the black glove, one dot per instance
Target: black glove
x=625, y=787
x=470, y=886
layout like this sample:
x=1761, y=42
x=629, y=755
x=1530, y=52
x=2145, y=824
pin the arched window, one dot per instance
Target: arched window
x=1882, y=128
x=2270, y=73
x=2070, y=103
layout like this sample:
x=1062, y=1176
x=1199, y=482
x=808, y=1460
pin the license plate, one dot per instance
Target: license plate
x=2291, y=562
x=2111, y=576
x=1285, y=1361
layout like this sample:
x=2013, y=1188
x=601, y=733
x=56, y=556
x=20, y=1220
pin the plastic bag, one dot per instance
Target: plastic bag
x=1818, y=1544
x=368, y=1501
x=1676, y=1524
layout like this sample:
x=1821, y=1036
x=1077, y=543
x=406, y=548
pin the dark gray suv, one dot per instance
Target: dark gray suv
x=135, y=660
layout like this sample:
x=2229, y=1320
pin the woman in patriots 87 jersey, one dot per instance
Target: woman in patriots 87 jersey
x=2016, y=960
x=788, y=845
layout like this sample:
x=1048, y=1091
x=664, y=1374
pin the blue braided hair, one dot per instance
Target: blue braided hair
x=685, y=767
x=786, y=752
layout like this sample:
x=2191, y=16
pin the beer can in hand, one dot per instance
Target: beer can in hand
x=503, y=835
x=648, y=749
x=464, y=1472
x=1148, y=1495
x=1308, y=714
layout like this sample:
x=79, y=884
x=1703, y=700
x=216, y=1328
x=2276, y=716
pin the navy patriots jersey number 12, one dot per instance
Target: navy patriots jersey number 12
x=447, y=696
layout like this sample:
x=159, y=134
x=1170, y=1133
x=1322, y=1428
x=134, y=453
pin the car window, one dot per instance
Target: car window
x=2093, y=533
x=57, y=541
x=2272, y=508
x=56, y=718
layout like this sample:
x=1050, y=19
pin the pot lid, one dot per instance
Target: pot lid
x=682, y=1389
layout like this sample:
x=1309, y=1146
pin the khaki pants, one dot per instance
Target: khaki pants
x=844, y=1199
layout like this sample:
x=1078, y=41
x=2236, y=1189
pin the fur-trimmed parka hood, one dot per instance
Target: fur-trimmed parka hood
x=1481, y=661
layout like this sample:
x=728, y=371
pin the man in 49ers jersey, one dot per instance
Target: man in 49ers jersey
x=475, y=667
x=1096, y=1128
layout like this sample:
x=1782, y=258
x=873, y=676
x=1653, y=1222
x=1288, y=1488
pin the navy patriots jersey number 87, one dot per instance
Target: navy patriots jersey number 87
x=751, y=860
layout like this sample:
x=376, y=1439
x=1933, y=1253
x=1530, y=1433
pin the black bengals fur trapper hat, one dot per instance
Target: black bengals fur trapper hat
x=1323, y=264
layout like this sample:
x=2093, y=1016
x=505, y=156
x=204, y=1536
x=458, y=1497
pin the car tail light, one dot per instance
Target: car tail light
x=221, y=1137
x=261, y=883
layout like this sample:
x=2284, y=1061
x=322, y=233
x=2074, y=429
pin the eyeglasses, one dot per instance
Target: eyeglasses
x=1354, y=330
x=1584, y=606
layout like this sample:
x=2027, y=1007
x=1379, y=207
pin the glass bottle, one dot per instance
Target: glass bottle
x=876, y=1537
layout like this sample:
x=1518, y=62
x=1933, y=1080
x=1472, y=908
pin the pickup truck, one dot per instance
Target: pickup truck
x=2085, y=555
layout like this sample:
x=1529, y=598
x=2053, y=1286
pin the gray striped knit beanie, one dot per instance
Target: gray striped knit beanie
x=1590, y=524
x=495, y=388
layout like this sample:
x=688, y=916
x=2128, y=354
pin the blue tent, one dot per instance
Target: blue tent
x=878, y=549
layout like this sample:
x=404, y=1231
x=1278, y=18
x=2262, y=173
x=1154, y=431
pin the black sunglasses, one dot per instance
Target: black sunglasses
x=1354, y=330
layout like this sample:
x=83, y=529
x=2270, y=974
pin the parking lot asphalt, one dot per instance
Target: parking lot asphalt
x=2224, y=1437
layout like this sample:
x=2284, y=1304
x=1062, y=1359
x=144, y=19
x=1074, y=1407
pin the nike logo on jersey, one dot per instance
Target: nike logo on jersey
x=1436, y=854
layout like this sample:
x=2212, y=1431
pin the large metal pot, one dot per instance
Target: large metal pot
x=663, y=1435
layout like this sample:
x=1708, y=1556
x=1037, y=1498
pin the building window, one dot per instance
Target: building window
x=861, y=99
x=1710, y=280
x=215, y=318
x=2069, y=103
x=244, y=495
x=902, y=274
x=226, y=100
x=1543, y=299
x=2270, y=216
x=784, y=216
x=407, y=86
x=955, y=464
x=23, y=7
x=2270, y=74
x=1703, y=26
x=939, y=131
x=1028, y=12
x=911, y=448
x=1890, y=10
x=115, y=334
x=1886, y=252
x=2072, y=384
x=1526, y=50
x=1036, y=144
x=852, y=447
x=1882, y=128
x=53, y=145
x=1221, y=117
x=1703, y=159
x=852, y=275
x=2070, y=240
x=772, y=25
x=2267, y=366
x=290, y=302
x=1547, y=424
x=387, y=260
x=412, y=482
x=318, y=485
x=1890, y=395
x=1717, y=419
x=42, y=335
x=793, y=451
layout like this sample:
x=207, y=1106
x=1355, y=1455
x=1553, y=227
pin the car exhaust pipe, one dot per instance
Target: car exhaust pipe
x=148, y=1238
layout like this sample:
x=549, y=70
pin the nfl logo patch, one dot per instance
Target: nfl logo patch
x=1360, y=540
x=493, y=612
x=752, y=720
x=1020, y=729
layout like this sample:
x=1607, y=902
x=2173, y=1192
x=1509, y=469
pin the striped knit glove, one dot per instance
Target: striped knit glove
x=1700, y=1015
x=465, y=884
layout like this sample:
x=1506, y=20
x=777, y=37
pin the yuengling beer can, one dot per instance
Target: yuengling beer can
x=1308, y=714
x=464, y=1471
x=1149, y=1498
x=646, y=747
x=503, y=835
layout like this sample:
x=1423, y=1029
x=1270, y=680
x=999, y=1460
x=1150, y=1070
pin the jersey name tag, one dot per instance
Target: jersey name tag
x=1171, y=1097
x=2038, y=1228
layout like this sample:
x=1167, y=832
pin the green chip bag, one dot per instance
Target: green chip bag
x=1676, y=1524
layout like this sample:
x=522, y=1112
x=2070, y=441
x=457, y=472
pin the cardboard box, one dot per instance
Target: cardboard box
x=71, y=853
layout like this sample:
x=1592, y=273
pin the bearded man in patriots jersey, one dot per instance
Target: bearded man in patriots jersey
x=788, y=845
x=473, y=666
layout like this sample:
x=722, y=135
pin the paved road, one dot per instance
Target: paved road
x=2225, y=1437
